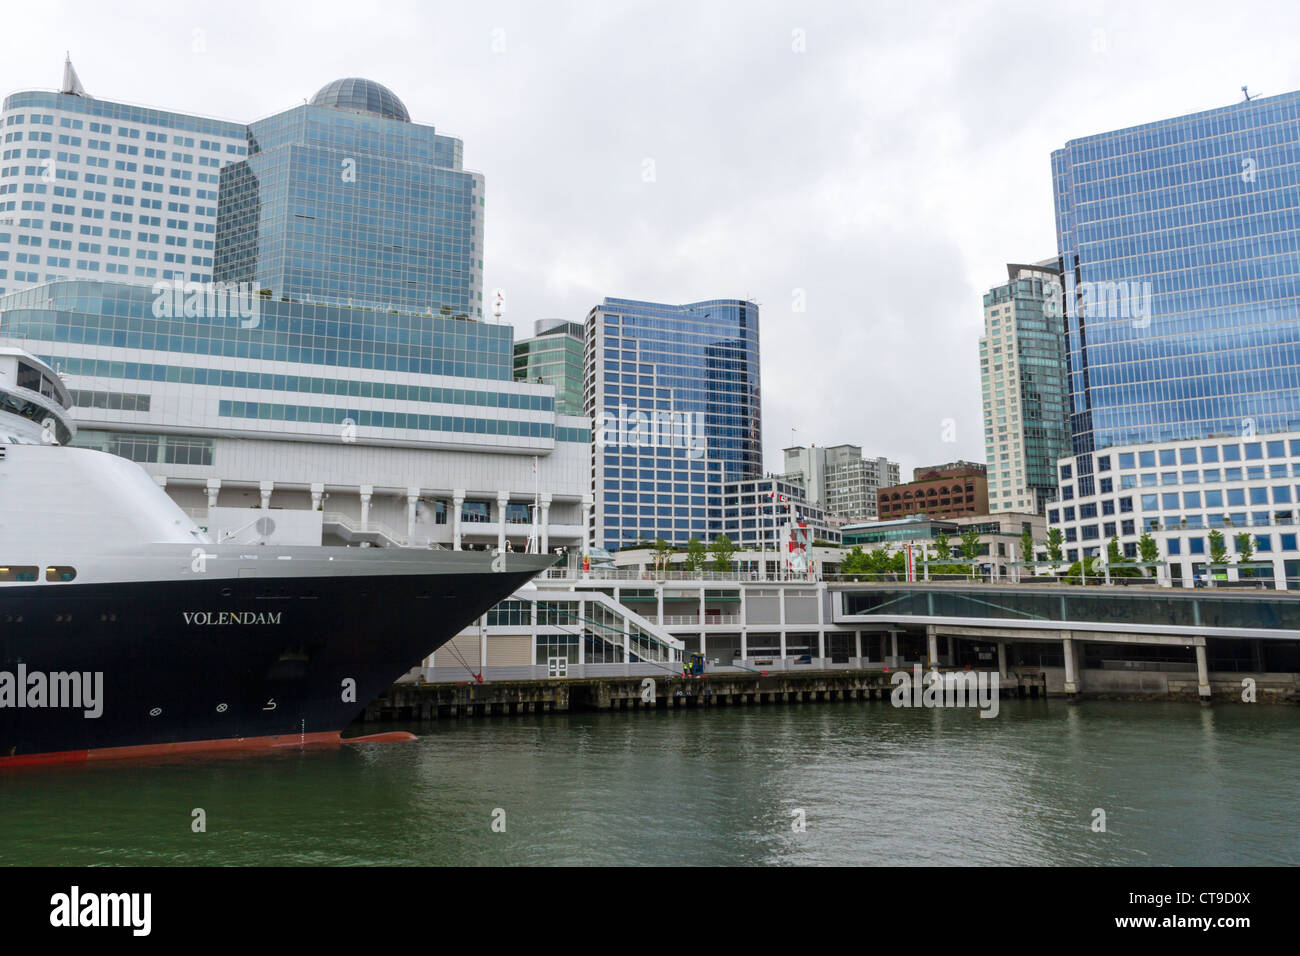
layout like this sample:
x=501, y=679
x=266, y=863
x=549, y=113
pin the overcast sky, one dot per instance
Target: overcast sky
x=878, y=163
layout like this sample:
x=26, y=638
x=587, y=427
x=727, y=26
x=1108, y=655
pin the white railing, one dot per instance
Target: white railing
x=679, y=620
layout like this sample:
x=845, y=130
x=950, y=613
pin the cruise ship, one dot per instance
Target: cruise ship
x=126, y=630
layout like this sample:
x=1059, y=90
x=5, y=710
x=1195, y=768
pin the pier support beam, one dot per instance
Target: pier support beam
x=366, y=492
x=503, y=502
x=1202, y=672
x=457, y=500
x=1071, y=668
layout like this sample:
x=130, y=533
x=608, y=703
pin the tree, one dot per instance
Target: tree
x=942, y=546
x=1148, y=550
x=1218, y=548
x=970, y=543
x=1027, y=545
x=722, y=549
x=1073, y=574
x=1054, y=539
x=663, y=552
x=1245, y=543
x=1120, y=566
x=696, y=555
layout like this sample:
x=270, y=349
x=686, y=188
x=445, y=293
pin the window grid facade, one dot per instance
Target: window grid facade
x=699, y=360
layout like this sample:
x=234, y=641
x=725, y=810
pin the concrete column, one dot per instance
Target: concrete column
x=265, y=487
x=932, y=642
x=704, y=644
x=783, y=645
x=317, y=496
x=366, y=492
x=701, y=607
x=1071, y=665
x=412, y=498
x=545, y=546
x=1202, y=672
x=214, y=489
x=744, y=644
x=586, y=519
x=503, y=499
x=857, y=646
x=1002, y=659
x=457, y=500
x=893, y=644
x=659, y=596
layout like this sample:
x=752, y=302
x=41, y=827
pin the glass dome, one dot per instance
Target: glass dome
x=361, y=96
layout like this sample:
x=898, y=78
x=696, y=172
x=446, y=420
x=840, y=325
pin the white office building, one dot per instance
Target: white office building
x=94, y=189
x=839, y=481
x=1180, y=492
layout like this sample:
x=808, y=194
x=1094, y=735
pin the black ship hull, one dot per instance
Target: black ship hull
x=206, y=664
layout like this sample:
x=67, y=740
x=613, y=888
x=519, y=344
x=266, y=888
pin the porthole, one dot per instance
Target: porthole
x=60, y=573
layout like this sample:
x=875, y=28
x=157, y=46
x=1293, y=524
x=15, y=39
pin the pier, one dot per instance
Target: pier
x=409, y=701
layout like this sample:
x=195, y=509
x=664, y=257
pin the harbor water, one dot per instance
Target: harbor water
x=842, y=783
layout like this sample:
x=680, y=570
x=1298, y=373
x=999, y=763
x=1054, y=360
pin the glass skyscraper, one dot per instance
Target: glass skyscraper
x=673, y=391
x=1180, y=248
x=1023, y=378
x=345, y=200
x=1180, y=244
x=555, y=355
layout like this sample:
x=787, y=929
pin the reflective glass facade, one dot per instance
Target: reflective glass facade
x=555, y=356
x=699, y=362
x=374, y=358
x=1184, y=234
x=104, y=313
x=339, y=205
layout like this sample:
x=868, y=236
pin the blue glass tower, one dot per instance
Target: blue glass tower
x=345, y=200
x=673, y=391
x=1180, y=248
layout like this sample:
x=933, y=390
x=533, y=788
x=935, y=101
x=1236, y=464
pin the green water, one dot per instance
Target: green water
x=1180, y=785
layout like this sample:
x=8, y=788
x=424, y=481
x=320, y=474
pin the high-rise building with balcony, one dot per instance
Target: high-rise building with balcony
x=673, y=391
x=1023, y=378
x=840, y=481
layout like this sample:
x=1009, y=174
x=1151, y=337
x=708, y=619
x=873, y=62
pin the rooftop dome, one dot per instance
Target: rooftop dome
x=361, y=96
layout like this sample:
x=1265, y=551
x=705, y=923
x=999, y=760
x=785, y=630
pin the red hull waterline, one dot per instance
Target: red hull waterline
x=232, y=744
